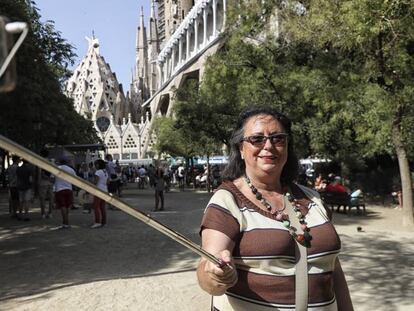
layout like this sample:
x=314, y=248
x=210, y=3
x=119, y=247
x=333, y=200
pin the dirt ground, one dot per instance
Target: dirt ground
x=130, y=266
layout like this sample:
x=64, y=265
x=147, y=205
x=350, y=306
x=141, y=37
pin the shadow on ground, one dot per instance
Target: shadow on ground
x=34, y=258
x=380, y=271
x=378, y=260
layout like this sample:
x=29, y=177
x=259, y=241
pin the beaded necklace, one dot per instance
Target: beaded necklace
x=282, y=216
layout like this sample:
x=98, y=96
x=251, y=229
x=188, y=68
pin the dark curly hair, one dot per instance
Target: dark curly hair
x=100, y=164
x=236, y=167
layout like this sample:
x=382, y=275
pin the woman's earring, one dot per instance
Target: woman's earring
x=242, y=156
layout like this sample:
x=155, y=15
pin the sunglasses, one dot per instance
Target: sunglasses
x=278, y=140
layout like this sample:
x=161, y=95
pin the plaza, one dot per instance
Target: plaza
x=130, y=266
x=345, y=85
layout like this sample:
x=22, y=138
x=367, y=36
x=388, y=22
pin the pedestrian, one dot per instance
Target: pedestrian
x=84, y=196
x=261, y=225
x=113, y=183
x=151, y=175
x=142, y=176
x=101, y=181
x=159, y=185
x=64, y=192
x=181, y=176
x=45, y=193
x=167, y=178
x=110, y=165
x=13, y=190
x=25, y=185
x=118, y=170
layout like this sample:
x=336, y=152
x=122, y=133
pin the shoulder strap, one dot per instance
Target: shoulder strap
x=301, y=271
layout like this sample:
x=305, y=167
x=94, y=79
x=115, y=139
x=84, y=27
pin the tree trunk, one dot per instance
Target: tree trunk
x=406, y=183
x=208, y=174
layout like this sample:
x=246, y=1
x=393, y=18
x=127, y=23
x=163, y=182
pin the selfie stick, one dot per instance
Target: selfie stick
x=37, y=160
x=13, y=28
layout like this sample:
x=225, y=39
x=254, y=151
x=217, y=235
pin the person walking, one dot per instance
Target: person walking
x=64, y=192
x=159, y=185
x=45, y=192
x=24, y=185
x=113, y=184
x=101, y=181
x=13, y=190
x=118, y=170
x=142, y=177
x=181, y=177
x=151, y=175
x=84, y=196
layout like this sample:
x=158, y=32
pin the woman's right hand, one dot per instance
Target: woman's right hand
x=214, y=279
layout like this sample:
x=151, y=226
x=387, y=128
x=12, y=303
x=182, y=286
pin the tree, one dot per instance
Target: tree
x=185, y=134
x=342, y=70
x=37, y=112
x=372, y=42
x=171, y=140
x=193, y=116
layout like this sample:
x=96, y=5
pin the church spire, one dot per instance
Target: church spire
x=153, y=9
x=142, y=47
x=142, y=17
x=142, y=55
x=153, y=49
x=93, y=43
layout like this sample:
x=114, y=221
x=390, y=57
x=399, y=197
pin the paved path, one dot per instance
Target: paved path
x=129, y=266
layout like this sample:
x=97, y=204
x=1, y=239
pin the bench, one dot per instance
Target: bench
x=343, y=200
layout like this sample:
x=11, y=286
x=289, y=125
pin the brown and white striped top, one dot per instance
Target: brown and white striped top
x=265, y=252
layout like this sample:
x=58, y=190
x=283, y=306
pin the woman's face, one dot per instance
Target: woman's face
x=268, y=157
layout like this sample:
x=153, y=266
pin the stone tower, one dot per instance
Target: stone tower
x=165, y=18
x=95, y=90
x=145, y=79
x=170, y=15
x=142, y=57
x=153, y=50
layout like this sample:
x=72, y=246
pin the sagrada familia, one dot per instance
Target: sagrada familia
x=180, y=35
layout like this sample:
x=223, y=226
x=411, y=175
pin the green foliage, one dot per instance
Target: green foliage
x=207, y=112
x=189, y=132
x=37, y=112
x=341, y=70
x=372, y=42
x=169, y=139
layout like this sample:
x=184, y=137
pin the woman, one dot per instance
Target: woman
x=101, y=181
x=246, y=225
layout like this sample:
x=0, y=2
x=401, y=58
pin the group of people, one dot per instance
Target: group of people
x=334, y=184
x=25, y=181
x=20, y=182
x=59, y=194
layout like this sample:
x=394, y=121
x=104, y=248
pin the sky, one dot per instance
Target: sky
x=114, y=23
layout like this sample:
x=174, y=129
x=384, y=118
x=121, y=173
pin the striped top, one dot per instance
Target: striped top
x=264, y=252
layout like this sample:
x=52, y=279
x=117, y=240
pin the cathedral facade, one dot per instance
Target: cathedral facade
x=119, y=119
